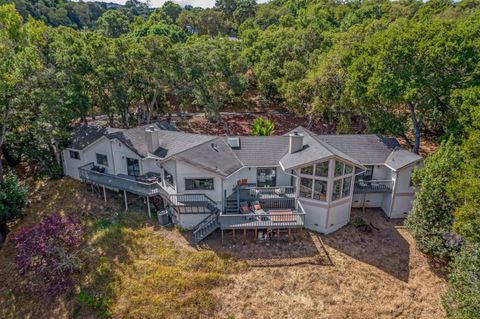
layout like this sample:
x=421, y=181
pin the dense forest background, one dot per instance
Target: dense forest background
x=408, y=68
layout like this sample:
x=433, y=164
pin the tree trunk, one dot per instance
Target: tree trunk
x=417, y=126
x=3, y=232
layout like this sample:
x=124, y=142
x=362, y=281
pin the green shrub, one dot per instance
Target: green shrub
x=13, y=197
x=462, y=299
x=97, y=304
x=262, y=127
x=431, y=218
x=358, y=221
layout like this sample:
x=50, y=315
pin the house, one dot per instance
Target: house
x=278, y=183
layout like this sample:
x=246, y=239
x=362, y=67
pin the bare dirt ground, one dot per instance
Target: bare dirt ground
x=348, y=274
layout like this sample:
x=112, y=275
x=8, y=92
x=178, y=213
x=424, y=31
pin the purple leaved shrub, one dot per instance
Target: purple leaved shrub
x=46, y=254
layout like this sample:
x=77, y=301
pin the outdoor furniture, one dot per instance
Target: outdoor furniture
x=281, y=215
x=257, y=208
x=244, y=208
x=280, y=191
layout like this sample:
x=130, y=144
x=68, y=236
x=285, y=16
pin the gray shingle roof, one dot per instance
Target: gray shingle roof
x=367, y=149
x=400, y=158
x=261, y=151
x=171, y=140
x=84, y=135
x=254, y=150
x=314, y=149
x=214, y=155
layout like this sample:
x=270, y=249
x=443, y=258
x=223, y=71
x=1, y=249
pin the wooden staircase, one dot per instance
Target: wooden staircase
x=231, y=206
x=207, y=226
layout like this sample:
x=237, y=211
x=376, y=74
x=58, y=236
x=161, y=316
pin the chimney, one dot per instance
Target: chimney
x=295, y=142
x=152, y=138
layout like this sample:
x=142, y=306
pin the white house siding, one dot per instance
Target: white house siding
x=315, y=215
x=338, y=215
x=120, y=160
x=151, y=165
x=185, y=170
x=170, y=166
x=71, y=165
x=404, y=193
x=102, y=146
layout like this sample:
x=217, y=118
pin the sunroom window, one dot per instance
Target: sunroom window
x=320, y=190
x=321, y=169
x=307, y=170
x=343, y=180
x=338, y=168
x=314, y=181
x=337, y=189
x=306, y=187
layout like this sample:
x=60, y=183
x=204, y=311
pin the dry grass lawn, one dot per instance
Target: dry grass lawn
x=135, y=269
x=374, y=275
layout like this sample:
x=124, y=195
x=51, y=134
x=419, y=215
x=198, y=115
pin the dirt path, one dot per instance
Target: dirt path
x=376, y=275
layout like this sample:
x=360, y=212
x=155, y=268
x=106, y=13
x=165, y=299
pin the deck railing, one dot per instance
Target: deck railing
x=373, y=186
x=192, y=203
x=129, y=184
x=269, y=197
x=269, y=220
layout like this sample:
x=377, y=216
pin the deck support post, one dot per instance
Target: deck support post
x=244, y=236
x=222, y=236
x=256, y=234
x=104, y=194
x=278, y=234
x=233, y=234
x=289, y=234
x=125, y=198
x=301, y=233
x=148, y=207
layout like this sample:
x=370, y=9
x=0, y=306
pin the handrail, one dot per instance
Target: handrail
x=271, y=220
x=83, y=168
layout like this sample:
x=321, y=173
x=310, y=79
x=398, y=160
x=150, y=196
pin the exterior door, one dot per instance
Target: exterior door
x=133, y=167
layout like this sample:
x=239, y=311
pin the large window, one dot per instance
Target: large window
x=266, y=177
x=320, y=190
x=133, y=167
x=337, y=189
x=343, y=180
x=321, y=169
x=75, y=155
x=198, y=184
x=306, y=187
x=314, y=181
x=102, y=159
x=169, y=179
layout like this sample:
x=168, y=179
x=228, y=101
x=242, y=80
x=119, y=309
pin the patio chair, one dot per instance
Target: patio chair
x=257, y=208
x=244, y=209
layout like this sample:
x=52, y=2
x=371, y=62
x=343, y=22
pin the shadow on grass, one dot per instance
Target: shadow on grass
x=384, y=248
x=304, y=248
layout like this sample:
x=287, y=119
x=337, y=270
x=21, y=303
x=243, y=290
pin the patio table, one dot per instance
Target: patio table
x=284, y=215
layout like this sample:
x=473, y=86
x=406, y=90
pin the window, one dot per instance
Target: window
x=266, y=177
x=321, y=169
x=338, y=168
x=133, y=167
x=320, y=190
x=367, y=174
x=348, y=169
x=102, y=159
x=307, y=170
x=347, y=182
x=337, y=187
x=169, y=178
x=198, y=184
x=75, y=155
x=306, y=187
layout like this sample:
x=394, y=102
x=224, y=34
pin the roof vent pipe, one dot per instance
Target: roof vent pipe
x=152, y=139
x=295, y=142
